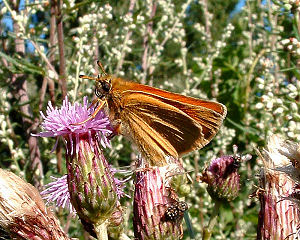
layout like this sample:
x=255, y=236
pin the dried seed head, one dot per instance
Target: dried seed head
x=279, y=216
x=23, y=213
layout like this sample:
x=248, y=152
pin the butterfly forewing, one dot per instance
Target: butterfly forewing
x=150, y=143
x=128, y=86
x=209, y=119
x=163, y=123
x=159, y=131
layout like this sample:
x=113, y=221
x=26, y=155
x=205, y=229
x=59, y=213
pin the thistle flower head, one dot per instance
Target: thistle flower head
x=57, y=191
x=222, y=177
x=63, y=122
x=93, y=190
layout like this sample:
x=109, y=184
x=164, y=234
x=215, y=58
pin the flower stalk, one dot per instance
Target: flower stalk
x=207, y=231
x=101, y=230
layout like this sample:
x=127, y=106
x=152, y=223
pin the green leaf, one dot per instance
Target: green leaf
x=23, y=65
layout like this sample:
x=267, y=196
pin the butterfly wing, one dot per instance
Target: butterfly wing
x=125, y=87
x=168, y=127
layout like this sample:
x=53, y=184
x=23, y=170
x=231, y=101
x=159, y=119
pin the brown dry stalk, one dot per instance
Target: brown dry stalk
x=146, y=43
x=278, y=217
x=19, y=83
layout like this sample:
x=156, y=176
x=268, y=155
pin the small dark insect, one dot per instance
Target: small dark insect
x=176, y=210
x=236, y=163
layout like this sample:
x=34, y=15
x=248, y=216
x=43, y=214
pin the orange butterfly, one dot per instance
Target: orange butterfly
x=159, y=122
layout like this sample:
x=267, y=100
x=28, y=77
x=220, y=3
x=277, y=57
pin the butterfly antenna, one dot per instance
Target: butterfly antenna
x=87, y=77
x=101, y=67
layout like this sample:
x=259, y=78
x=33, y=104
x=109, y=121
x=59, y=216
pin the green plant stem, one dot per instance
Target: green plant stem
x=76, y=83
x=127, y=37
x=249, y=77
x=101, y=231
x=207, y=231
x=169, y=33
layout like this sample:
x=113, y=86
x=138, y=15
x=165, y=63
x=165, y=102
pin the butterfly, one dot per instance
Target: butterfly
x=162, y=124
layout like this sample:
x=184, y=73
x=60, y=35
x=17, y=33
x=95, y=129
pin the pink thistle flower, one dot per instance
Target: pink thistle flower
x=93, y=190
x=57, y=191
x=60, y=122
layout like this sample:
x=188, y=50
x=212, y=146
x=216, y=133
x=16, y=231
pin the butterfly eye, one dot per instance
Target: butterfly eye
x=105, y=86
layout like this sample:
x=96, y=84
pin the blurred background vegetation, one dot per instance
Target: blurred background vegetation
x=244, y=54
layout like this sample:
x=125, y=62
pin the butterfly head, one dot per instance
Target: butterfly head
x=103, y=85
x=102, y=82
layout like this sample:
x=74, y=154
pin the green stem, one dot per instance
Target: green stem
x=76, y=83
x=101, y=231
x=249, y=77
x=207, y=231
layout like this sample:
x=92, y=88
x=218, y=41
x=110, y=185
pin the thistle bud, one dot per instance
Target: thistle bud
x=23, y=213
x=116, y=223
x=222, y=177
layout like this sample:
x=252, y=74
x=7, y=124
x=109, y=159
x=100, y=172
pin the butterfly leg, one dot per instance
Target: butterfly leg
x=96, y=100
x=94, y=113
x=116, y=130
